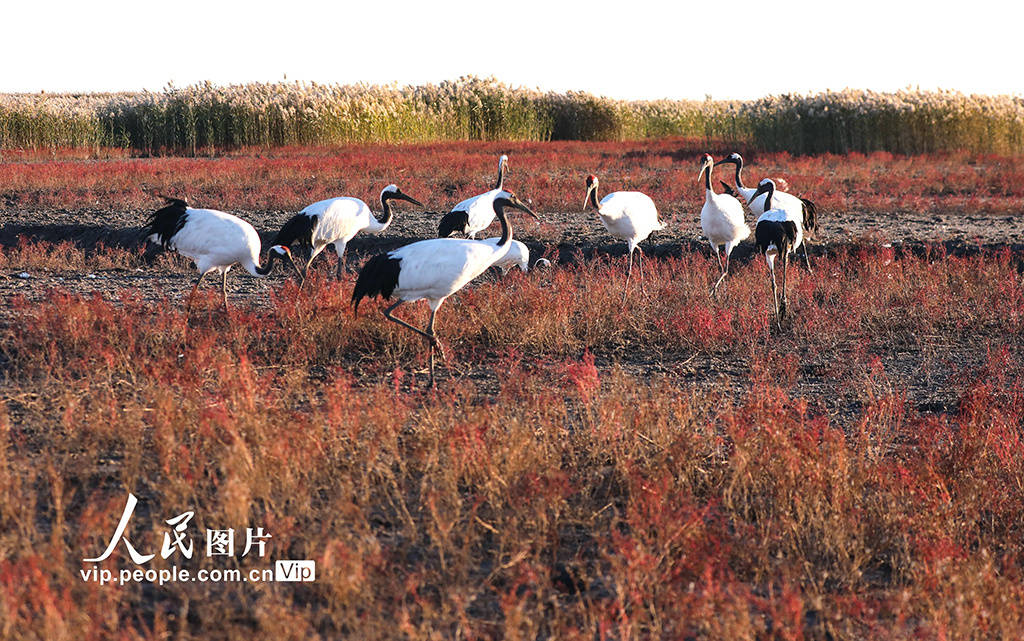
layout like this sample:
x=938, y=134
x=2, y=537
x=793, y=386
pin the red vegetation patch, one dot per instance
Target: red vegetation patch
x=573, y=476
x=551, y=174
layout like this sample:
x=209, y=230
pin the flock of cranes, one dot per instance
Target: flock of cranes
x=782, y=224
x=436, y=268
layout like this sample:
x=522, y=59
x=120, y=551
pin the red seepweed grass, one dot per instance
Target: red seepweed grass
x=665, y=469
x=551, y=173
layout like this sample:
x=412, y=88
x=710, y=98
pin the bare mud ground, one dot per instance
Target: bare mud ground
x=928, y=368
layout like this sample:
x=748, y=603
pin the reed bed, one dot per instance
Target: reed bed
x=205, y=118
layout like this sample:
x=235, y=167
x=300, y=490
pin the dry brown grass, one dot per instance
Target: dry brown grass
x=550, y=490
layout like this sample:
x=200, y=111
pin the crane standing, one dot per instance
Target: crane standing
x=475, y=214
x=214, y=240
x=336, y=221
x=627, y=215
x=721, y=219
x=433, y=269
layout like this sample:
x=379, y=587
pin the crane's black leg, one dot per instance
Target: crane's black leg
x=782, y=307
x=640, y=263
x=434, y=340
x=718, y=259
x=807, y=258
x=340, y=248
x=775, y=296
x=434, y=343
x=725, y=270
x=429, y=335
x=224, y=289
x=387, y=314
x=188, y=306
x=629, y=272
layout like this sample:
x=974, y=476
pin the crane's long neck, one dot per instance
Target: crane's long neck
x=501, y=175
x=506, y=227
x=739, y=178
x=768, y=197
x=385, y=220
x=593, y=200
x=707, y=179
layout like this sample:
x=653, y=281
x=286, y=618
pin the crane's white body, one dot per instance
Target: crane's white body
x=216, y=240
x=479, y=211
x=338, y=221
x=436, y=268
x=721, y=219
x=627, y=215
x=746, y=193
x=630, y=216
x=798, y=210
x=518, y=255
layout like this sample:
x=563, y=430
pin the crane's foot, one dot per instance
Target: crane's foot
x=435, y=343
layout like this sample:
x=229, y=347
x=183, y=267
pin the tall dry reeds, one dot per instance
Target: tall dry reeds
x=204, y=118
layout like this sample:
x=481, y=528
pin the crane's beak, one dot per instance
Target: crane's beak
x=520, y=206
x=298, y=272
x=761, y=189
x=407, y=198
x=586, y=199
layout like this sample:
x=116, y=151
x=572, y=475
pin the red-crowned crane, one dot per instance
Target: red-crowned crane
x=721, y=218
x=777, y=236
x=475, y=214
x=627, y=215
x=800, y=210
x=337, y=221
x=213, y=239
x=433, y=269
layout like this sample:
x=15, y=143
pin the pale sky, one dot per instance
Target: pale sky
x=633, y=49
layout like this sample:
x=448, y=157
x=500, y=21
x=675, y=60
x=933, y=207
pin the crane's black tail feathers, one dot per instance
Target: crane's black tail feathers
x=810, y=216
x=453, y=221
x=726, y=189
x=781, y=233
x=167, y=221
x=299, y=228
x=378, y=277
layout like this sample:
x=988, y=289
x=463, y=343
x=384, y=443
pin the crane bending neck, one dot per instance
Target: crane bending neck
x=386, y=218
x=593, y=200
